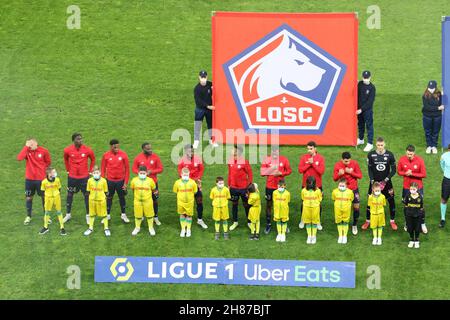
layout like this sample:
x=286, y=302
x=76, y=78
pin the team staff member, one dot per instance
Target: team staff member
x=195, y=165
x=412, y=168
x=432, y=116
x=312, y=164
x=37, y=159
x=240, y=175
x=274, y=167
x=203, y=107
x=154, y=166
x=76, y=159
x=116, y=170
x=349, y=170
x=381, y=167
x=366, y=98
x=445, y=188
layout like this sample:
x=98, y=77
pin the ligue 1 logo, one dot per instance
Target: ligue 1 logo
x=284, y=82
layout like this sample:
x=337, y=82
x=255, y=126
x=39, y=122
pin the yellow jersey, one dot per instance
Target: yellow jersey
x=342, y=199
x=185, y=190
x=51, y=188
x=376, y=204
x=281, y=202
x=254, y=200
x=142, y=189
x=97, y=189
x=220, y=197
x=311, y=198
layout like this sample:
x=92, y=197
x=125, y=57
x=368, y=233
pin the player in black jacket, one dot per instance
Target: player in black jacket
x=381, y=167
x=366, y=98
x=432, y=116
x=203, y=107
x=413, y=214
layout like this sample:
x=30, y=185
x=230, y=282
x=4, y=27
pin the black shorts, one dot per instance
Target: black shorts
x=388, y=190
x=269, y=193
x=356, y=198
x=75, y=185
x=32, y=187
x=236, y=193
x=445, y=190
x=114, y=186
x=155, y=194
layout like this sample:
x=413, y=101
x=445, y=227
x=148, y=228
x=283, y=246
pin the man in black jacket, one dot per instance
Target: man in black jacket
x=366, y=98
x=203, y=107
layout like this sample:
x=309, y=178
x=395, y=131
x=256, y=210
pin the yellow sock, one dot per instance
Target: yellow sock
x=217, y=226
x=252, y=227
x=150, y=223
x=105, y=223
x=225, y=225
x=314, y=230
x=345, y=229
x=137, y=222
x=60, y=219
x=283, y=227
x=375, y=235
x=339, y=227
x=279, y=227
x=188, y=223
x=182, y=222
x=258, y=224
x=91, y=222
x=309, y=230
x=380, y=232
x=46, y=218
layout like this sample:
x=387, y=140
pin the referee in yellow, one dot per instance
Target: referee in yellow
x=220, y=196
x=281, y=198
x=343, y=198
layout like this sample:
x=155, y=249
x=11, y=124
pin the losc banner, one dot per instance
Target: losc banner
x=225, y=271
x=294, y=74
x=446, y=80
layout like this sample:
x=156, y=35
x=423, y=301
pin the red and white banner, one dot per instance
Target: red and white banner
x=293, y=73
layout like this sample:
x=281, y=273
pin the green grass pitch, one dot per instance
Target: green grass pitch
x=129, y=73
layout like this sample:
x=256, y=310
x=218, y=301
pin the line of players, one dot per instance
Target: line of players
x=115, y=168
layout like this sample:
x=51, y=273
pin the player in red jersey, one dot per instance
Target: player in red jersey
x=240, y=175
x=349, y=170
x=76, y=157
x=37, y=161
x=116, y=170
x=195, y=165
x=274, y=167
x=154, y=166
x=312, y=164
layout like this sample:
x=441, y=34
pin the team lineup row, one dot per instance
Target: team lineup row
x=113, y=177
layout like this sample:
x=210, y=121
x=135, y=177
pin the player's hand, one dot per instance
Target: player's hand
x=28, y=143
x=341, y=172
x=211, y=107
x=349, y=170
x=441, y=107
x=277, y=173
x=409, y=172
x=124, y=187
x=358, y=111
x=310, y=160
x=149, y=172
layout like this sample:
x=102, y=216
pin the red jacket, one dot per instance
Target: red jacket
x=282, y=164
x=76, y=161
x=115, y=167
x=195, y=166
x=240, y=173
x=416, y=165
x=152, y=162
x=315, y=169
x=37, y=162
x=352, y=178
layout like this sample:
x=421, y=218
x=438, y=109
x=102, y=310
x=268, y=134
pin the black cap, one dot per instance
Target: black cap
x=366, y=74
x=432, y=84
x=203, y=74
